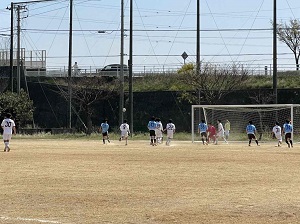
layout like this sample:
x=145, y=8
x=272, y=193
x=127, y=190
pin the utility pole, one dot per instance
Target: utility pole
x=19, y=8
x=70, y=64
x=11, y=55
x=121, y=103
x=275, y=52
x=198, y=39
x=18, y=50
x=130, y=67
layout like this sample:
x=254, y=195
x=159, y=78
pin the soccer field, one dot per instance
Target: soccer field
x=84, y=181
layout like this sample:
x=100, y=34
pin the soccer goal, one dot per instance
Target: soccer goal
x=262, y=116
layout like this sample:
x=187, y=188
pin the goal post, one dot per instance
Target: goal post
x=263, y=117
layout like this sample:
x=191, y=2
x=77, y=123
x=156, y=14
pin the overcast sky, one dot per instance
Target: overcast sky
x=231, y=31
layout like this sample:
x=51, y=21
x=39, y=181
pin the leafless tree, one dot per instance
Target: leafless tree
x=289, y=33
x=214, y=81
x=86, y=91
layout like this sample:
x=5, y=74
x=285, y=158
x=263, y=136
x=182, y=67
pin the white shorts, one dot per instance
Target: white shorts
x=278, y=137
x=170, y=134
x=7, y=136
x=124, y=134
x=158, y=134
x=220, y=134
x=227, y=132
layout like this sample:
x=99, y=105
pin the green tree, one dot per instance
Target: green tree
x=19, y=105
x=289, y=33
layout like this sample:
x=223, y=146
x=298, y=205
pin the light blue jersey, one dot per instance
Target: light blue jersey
x=250, y=129
x=288, y=128
x=152, y=125
x=202, y=127
x=104, y=127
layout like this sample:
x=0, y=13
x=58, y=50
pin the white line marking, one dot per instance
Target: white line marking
x=28, y=219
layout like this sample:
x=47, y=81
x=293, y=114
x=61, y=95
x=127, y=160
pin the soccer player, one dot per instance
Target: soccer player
x=159, y=130
x=9, y=128
x=202, y=130
x=220, y=132
x=104, y=130
x=287, y=130
x=151, y=127
x=125, y=131
x=170, y=127
x=227, y=129
x=211, y=133
x=251, y=131
x=277, y=133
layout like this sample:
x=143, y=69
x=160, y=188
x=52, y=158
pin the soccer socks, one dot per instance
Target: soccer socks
x=225, y=139
x=256, y=142
x=103, y=141
x=291, y=142
x=168, y=141
x=249, y=142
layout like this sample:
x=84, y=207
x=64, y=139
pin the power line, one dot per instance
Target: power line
x=156, y=30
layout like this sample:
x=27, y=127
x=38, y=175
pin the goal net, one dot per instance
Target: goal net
x=262, y=116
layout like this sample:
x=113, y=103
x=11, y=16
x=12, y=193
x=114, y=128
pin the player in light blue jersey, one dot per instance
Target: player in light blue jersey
x=251, y=131
x=151, y=127
x=202, y=130
x=104, y=130
x=288, y=130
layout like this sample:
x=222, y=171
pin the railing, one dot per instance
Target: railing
x=95, y=72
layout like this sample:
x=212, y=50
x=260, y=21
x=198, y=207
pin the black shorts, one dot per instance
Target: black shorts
x=251, y=136
x=203, y=134
x=288, y=135
x=104, y=134
x=152, y=133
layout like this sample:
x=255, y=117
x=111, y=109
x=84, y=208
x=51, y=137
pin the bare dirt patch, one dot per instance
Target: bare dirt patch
x=78, y=181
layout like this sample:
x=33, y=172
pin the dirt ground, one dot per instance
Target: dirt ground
x=80, y=181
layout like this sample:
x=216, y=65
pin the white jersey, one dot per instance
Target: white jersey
x=7, y=125
x=220, y=131
x=159, y=129
x=170, y=129
x=277, y=131
x=124, y=128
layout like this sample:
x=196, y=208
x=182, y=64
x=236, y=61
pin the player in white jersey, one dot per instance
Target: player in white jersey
x=158, y=131
x=170, y=128
x=220, y=132
x=125, y=131
x=277, y=133
x=9, y=128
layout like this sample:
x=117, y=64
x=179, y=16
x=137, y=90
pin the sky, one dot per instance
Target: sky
x=232, y=31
